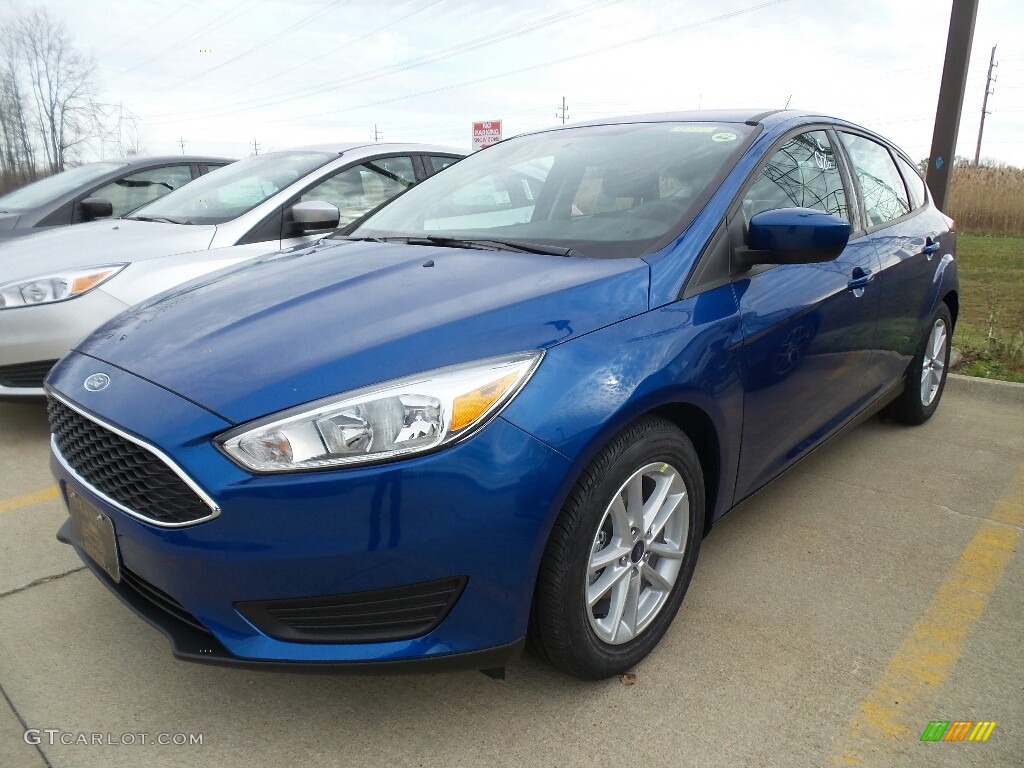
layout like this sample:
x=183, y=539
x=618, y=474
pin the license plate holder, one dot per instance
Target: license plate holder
x=94, y=532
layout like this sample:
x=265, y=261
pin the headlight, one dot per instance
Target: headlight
x=57, y=287
x=385, y=421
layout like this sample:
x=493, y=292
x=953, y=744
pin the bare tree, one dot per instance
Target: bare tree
x=62, y=83
x=17, y=155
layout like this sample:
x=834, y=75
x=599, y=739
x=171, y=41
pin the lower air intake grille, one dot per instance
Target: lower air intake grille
x=125, y=472
x=380, y=615
x=160, y=599
x=25, y=374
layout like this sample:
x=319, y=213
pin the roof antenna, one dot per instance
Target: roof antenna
x=788, y=100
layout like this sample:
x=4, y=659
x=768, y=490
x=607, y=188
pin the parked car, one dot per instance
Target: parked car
x=509, y=404
x=97, y=190
x=56, y=287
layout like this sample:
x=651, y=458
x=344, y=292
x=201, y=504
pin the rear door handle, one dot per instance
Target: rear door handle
x=861, y=278
x=931, y=248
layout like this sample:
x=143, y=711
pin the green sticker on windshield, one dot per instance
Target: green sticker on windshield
x=724, y=136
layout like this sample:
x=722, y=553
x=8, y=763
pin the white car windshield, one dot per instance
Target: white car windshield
x=230, y=191
x=606, y=191
x=52, y=187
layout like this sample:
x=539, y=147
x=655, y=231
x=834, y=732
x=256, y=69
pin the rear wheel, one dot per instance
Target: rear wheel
x=621, y=554
x=926, y=377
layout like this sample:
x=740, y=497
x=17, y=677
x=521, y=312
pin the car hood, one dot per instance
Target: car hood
x=299, y=325
x=98, y=242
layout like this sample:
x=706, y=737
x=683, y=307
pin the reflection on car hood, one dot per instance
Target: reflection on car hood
x=293, y=327
x=98, y=242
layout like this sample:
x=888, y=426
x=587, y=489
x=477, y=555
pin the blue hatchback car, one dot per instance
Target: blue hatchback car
x=507, y=406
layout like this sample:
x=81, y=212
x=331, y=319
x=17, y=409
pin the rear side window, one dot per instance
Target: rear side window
x=440, y=162
x=801, y=174
x=915, y=184
x=881, y=187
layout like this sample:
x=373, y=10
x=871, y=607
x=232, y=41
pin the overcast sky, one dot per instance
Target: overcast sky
x=222, y=73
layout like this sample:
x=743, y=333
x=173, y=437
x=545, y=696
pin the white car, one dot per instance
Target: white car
x=57, y=286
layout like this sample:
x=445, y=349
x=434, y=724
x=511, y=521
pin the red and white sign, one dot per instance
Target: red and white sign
x=485, y=133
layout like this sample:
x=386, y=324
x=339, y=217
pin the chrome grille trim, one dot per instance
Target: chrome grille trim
x=163, y=457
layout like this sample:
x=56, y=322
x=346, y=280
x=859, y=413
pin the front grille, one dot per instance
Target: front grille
x=380, y=615
x=25, y=374
x=124, y=471
x=160, y=599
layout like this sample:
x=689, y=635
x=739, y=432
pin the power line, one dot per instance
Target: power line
x=154, y=25
x=332, y=51
x=542, y=65
x=300, y=23
x=177, y=45
x=429, y=58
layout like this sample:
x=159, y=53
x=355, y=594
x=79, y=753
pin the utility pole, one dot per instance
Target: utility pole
x=255, y=147
x=564, y=109
x=984, y=103
x=182, y=142
x=377, y=135
x=951, y=98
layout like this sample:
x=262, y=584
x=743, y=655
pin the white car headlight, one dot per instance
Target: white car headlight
x=385, y=421
x=61, y=286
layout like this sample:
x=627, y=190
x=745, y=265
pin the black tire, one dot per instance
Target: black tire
x=909, y=407
x=560, y=627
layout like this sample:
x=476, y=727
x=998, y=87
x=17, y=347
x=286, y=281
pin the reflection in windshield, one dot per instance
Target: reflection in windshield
x=43, y=191
x=230, y=191
x=604, y=191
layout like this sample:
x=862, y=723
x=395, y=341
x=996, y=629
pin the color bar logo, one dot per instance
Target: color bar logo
x=958, y=730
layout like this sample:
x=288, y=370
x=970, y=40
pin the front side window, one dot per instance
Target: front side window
x=360, y=189
x=883, y=191
x=228, y=192
x=607, y=191
x=136, y=190
x=801, y=174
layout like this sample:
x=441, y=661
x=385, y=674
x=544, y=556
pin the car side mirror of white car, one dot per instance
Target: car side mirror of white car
x=313, y=215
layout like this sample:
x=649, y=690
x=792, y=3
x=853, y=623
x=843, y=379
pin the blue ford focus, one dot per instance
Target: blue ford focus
x=506, y=407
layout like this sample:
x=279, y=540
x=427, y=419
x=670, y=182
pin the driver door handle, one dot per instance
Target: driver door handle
x=861, y=277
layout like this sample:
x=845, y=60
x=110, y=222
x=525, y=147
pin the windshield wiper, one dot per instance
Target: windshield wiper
x=469, y=242
x=161, y=219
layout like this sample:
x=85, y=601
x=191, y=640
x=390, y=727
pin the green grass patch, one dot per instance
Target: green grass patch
x=990, y=329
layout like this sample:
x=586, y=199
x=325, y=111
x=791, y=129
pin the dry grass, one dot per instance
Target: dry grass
x=987, y=200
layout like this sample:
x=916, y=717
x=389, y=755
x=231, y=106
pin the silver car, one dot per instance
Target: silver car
x=56, y=287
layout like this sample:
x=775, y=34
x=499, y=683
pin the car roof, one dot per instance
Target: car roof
x=382, y=147
x=136, y=160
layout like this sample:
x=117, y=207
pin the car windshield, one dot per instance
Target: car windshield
x=43, y=191
x=608, y=191
x=230, y=191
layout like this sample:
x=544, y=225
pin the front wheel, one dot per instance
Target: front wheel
x=926, y=377
x=621, y=554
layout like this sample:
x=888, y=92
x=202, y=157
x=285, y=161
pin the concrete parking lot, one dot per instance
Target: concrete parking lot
x=872, y=590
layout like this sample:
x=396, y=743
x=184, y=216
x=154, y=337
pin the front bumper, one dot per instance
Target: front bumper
x=46, y=332
x=480, y=510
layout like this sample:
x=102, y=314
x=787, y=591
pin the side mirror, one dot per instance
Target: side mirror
x=792, y=236
x=96, y=208
x=314, y=215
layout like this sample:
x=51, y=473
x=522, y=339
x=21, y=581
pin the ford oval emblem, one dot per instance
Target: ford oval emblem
x=97, y=381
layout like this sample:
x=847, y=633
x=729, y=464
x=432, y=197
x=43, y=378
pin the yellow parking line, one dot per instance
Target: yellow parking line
x=892, y=713
x=6, y=505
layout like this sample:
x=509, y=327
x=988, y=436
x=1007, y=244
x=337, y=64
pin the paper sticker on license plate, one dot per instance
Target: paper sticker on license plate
x=94, y=533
